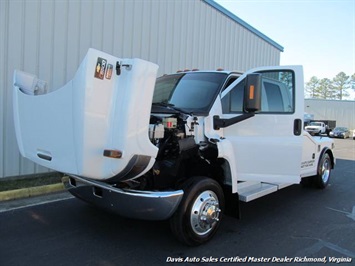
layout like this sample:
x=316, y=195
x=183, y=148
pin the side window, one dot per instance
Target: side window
x=276, y=95
x=233, y=101
x=278, y=92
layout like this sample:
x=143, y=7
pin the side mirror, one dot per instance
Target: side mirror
x=252, y=93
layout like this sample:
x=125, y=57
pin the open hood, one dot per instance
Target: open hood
x=103, y=110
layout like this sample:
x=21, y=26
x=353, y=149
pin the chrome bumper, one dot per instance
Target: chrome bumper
x=146, y=205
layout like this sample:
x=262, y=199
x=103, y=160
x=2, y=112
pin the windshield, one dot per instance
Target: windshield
x=340, y=129
x=191, y=92
x=315, y=124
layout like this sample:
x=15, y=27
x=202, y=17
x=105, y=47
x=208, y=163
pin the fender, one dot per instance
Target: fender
x=224, y=146
x=326, y=150
x=225, y=151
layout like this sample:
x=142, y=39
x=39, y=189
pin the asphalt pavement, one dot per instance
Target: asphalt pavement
x=293, y=226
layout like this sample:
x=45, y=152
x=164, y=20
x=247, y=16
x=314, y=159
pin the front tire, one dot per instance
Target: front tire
x=199, y=214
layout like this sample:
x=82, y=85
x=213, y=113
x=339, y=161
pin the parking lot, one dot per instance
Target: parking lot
x=345, y=149
x=295, y=225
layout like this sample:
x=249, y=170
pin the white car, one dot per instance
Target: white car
x=354, y=134
x=316, y=128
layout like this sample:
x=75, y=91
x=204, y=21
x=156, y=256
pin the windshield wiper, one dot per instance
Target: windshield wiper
x=164, y=104
x=171, y=107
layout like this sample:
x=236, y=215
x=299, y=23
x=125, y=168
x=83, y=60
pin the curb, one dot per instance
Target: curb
x=30, y=192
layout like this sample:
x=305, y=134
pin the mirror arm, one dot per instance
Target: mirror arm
x=221, y=122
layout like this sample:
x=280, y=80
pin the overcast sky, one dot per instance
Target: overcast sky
x=318, y=34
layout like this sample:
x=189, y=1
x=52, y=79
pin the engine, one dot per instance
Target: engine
x=171, y=135
x=179, y=156
x=174, y=138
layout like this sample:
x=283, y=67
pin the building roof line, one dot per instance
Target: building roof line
x=244, y=24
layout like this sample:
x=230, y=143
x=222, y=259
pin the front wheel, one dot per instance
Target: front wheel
x=200, y=211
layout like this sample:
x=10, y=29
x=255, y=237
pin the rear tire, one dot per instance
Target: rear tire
x=199, y=214
x=321, y=180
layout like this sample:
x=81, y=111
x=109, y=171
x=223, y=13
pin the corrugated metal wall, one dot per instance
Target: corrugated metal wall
x=343, y=112
x=50, y=38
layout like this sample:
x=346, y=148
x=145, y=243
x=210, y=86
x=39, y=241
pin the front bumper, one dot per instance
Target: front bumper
x=146, y=205
x=336, y=135
x=313, y=130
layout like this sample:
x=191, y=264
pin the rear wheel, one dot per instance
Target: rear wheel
x=321, y=180
x=200, y=211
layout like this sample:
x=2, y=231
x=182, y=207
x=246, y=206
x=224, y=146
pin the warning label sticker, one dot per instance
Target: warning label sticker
x=109, y=71
x=100, y=68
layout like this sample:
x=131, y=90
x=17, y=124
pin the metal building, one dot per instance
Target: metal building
x=343, y=112
x=50, y=38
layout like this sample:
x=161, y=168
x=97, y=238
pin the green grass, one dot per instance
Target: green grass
x=30, y=181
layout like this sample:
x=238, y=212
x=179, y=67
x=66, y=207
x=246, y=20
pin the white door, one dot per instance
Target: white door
x=268, y=146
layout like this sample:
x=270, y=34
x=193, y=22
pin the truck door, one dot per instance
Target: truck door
x=268, y=146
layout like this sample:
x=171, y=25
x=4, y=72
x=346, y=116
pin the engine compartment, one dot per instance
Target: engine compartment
x=168, y=133
x=179, y=156
x=175, y=141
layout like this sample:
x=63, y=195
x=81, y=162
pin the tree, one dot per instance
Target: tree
x=325, y=89
x=352, y=82
x=311, y=86
x=337, y=88
x=341, y=83
x=287, y=78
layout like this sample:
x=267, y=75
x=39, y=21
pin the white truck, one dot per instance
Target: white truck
x=186, y=147
x=316, y=128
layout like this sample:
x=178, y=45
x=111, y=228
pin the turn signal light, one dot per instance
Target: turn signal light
x=251, y=92
x=116, y=154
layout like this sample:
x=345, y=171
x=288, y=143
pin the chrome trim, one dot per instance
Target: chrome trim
x=146, y=205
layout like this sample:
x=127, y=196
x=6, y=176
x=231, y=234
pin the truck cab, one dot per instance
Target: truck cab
x=186, y=147
x=316, y=128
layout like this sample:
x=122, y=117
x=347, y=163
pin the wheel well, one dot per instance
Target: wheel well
x=220, y=171
x=331, y=155
x=217, y=169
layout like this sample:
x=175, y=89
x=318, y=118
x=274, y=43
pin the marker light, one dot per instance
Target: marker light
x=251, y=92
x=116, y=154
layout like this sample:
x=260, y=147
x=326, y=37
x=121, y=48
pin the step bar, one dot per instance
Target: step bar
x=251, y=190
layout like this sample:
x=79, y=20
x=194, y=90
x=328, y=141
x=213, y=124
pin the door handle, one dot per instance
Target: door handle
x=297, y=127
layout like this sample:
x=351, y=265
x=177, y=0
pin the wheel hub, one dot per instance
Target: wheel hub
x=325, y=170
x=205, y=212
